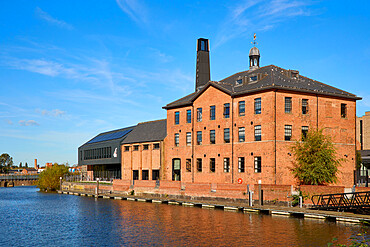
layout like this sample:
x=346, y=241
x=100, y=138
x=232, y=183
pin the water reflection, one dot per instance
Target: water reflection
x=64, y=220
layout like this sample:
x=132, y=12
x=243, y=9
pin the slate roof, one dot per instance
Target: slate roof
x=271, y=77
x=147, y=132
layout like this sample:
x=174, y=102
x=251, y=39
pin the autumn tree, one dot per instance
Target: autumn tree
x=315, y=160
x=6, y=161
x=49, y=179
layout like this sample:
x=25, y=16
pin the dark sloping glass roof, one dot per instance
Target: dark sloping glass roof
x=110, y=136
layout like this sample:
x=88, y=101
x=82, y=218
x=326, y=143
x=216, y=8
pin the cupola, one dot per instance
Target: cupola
x=254, y=56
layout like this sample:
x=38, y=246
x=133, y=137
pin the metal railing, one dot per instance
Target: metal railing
x=107, y=175
x=19, y=177
x=358, y=202
x=104, y=176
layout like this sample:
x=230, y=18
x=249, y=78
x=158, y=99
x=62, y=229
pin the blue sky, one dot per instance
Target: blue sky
x=72, y=69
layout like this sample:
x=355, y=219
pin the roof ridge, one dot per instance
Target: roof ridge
x=181, y=98
x=153, y=121
x=246, y=71
x=106, y=132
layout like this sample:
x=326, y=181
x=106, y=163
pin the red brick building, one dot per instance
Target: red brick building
x=143, y=151
x=240, y=129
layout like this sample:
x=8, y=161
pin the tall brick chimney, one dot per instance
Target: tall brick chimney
x=36, y=164
x=203, y=74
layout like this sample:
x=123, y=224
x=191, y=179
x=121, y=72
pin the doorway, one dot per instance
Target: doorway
x=176, y=170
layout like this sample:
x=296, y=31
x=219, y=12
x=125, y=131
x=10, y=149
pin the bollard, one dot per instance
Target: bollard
x=97, y=187
x=300, y=201
x=260, y=193
x=250, y=198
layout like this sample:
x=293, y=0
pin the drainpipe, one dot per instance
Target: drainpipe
x=317, y=111
x=275, y=138
x=232, y=140
x=192, y=142
x=367, y=178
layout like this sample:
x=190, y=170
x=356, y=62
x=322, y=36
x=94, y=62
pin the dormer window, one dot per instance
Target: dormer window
x=294, y=74
x=253, y=78
x=239, y=82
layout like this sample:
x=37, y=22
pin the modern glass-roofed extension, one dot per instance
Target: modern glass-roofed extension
x=102, y=156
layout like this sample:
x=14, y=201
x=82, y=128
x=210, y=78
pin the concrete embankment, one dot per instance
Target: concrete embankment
x=231, y=205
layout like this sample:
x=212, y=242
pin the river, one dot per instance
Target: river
x=32, y=218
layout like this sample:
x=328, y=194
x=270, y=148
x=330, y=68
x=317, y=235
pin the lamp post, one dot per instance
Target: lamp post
x=60, y=183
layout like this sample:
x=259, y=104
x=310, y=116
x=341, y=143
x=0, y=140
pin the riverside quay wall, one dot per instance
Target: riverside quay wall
x=177, y=189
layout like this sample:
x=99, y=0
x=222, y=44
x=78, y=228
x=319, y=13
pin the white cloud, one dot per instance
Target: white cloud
x=28, y=123
x=96, y=71
x=259, y=15
x=10, y=122
x=135, y=10
x=45, y=16
x=160, y=56
x=52, y=113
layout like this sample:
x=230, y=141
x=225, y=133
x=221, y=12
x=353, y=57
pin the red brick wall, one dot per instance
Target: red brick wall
x=311, y=190
x=121, y=185
x=362, y=189
x=324, y=112
x=140, y=160
x=342, y=131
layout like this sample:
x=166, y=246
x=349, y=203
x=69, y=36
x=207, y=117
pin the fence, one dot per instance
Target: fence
x=106, y=176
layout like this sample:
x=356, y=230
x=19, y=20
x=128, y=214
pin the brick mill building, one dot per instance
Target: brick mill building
x=240, y=129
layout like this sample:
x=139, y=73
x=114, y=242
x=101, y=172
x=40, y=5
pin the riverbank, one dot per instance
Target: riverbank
x=237, y=205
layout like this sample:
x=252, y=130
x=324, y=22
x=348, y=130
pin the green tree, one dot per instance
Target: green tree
x=315, y=161
x=20, y=165
x=49, y=179
x=26, y=165
x=358, y=160
x=6, y=161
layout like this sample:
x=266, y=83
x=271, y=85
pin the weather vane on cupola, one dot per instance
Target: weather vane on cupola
x=254, y=40
x=254, y=55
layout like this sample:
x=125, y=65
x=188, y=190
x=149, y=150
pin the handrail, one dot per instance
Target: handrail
x=355, y=202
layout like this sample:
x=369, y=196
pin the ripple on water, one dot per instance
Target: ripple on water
x=32, y=218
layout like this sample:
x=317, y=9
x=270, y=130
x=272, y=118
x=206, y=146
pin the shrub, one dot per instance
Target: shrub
x=49, y=180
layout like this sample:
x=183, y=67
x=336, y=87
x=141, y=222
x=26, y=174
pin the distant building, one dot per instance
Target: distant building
x=41, y=169
x=28, y=171
x=363, y=131
x=363, y=145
